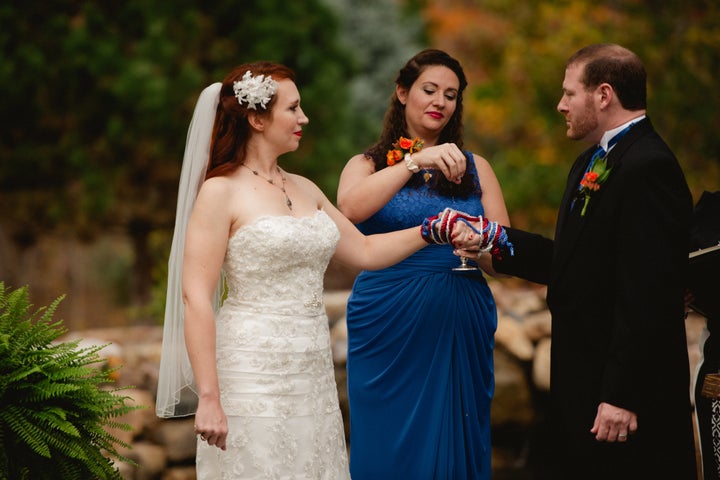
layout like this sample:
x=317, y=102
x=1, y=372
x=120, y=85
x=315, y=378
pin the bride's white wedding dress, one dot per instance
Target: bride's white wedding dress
x=275, y=366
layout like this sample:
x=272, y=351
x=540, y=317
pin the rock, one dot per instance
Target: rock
x=151, y=458
x=338, y=341
x=143, y=419
x=178, y=436
x=141, y=365
x=541, y=365
x=518, y=301
x=180, y=473
x=335, y=303
x=537, y=325
x=512, y=403
x=511, y=336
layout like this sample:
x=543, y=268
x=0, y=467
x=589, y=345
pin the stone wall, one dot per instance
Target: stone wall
x=165, y=449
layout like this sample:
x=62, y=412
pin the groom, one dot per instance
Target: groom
x=620, y=406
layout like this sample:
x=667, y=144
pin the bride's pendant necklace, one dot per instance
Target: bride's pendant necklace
x=288, y=202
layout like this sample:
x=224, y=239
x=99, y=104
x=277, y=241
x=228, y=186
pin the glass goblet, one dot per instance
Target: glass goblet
x=464, y=266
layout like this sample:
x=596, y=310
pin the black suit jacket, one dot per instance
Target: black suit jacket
x=615, y=290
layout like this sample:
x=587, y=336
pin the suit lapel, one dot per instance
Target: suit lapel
x=570, y=224
x=576, y=174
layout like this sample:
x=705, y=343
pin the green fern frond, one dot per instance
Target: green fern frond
x=54, y=418
x=55, y=409
x=26, y=431
x=45, y=390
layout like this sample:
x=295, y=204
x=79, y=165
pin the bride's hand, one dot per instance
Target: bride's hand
x=211, y=423
x=447, y=158
x=465, y=238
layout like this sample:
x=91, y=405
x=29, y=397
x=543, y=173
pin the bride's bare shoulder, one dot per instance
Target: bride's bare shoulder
x=218, y=185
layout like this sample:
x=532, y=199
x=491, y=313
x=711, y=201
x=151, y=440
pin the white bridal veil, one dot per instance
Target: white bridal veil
x=176, y=395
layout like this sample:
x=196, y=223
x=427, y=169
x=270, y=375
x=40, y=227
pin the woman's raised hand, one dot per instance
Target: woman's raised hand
x=447, y=158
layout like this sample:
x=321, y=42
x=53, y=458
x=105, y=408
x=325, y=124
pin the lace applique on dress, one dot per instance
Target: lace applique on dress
x=274, y=360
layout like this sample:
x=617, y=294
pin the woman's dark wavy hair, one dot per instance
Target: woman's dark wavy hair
x=231, y=129
x=395, y=125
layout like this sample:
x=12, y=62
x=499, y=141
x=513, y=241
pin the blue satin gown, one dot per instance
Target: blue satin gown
x=420, y=357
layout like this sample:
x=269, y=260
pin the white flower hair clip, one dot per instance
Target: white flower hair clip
x=255, y=91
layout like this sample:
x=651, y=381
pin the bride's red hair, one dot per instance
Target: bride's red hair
x=231, y=129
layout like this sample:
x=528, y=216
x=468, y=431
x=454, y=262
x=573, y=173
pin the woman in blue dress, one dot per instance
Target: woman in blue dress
x=420, y=334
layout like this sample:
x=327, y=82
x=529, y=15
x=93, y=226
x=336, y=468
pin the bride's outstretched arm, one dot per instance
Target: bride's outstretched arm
x=365, y=252
x=373, y=252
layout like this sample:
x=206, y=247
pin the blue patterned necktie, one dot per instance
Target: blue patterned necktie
x=599, y=153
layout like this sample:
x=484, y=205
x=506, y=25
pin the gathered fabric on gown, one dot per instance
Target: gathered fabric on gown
x=420, y=356
x=275, y=368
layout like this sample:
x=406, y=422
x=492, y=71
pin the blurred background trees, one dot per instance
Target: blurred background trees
x=97, y=97
x=514, y=54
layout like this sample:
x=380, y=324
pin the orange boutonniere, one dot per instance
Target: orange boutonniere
x=592, y=180
x=401, y=147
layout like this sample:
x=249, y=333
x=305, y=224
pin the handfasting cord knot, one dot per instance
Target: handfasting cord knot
x=493, y=237
x=427, y=230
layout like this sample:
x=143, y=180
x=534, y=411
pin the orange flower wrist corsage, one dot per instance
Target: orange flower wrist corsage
x=401, y=148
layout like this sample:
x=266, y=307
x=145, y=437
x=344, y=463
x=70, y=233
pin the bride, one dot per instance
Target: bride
x=257, y=372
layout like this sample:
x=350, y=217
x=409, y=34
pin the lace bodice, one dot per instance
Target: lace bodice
x=279, y=262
